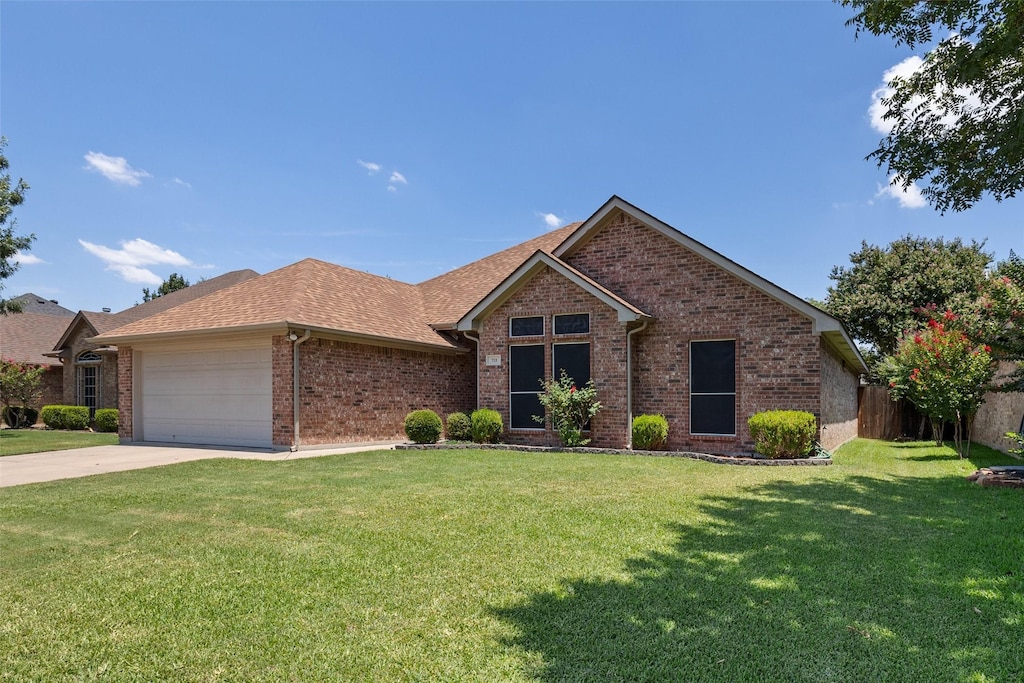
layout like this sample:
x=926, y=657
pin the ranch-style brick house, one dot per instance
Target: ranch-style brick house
x=316, y=354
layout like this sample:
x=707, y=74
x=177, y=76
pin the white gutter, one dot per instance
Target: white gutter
x=629, y=382
x=476, y=340
x=296, y=340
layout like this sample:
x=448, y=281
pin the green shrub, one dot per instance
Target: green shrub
x=486, y=425
x=649, y=432
x=423, y=426
x=65, y=417
x=106, y=420
x=783, y=433
x=458, y=427
x=17, y=417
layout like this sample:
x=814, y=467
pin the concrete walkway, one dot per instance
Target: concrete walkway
x=82, y=462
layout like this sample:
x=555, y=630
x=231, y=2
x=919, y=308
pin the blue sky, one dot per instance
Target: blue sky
x=409, y=139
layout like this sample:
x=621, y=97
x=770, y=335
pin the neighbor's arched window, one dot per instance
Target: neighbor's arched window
x=89, y=375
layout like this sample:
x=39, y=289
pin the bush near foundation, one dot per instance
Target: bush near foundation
x=486, y=425
x=423, y=426
x=650, y=432
x=65, y=417
x=106, y=420
x=458, y=427
x=783, y=433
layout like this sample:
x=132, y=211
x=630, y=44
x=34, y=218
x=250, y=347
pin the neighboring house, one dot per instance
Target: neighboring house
x=315, y=353
x=90, y=369
x=28, y=336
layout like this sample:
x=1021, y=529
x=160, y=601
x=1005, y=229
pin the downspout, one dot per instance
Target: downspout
x=295, y=385
x=629, y=382
x=476, y=340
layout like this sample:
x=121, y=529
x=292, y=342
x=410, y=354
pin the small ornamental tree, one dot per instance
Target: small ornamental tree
x=570, y=408
x=944, y=374
x=20, y=387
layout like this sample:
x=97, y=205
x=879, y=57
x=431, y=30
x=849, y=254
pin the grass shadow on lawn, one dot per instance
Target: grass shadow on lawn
x=897, y=579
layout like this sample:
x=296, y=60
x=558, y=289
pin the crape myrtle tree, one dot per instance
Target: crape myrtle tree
x=11, y=195
x=956, y=120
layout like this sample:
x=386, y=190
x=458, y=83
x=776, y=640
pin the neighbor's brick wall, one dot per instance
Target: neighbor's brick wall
x=838, y=423
x=52, y=386
x=548, y=293
x=778, y=356
x=125, y=370
x=358, y=392
x=1000, y=413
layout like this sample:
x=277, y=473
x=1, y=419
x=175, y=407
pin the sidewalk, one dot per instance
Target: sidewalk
x=82, y=462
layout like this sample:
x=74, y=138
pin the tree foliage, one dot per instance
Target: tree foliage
x=878, y=297
x=957, y=119
x=11, y=195
x=173, y=283
x=20, y=383
x=570, y=408
x=943, y=373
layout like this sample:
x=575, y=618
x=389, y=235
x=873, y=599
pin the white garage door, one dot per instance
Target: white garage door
x=213, y=396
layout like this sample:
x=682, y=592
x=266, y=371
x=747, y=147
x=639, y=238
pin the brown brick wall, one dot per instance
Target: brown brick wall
x=52, y=386
x=838, y=423
x=548, y=293
x=357, y=392
x=690, y=298
x=108, y=385
x=1000, y=413
x=125, y=369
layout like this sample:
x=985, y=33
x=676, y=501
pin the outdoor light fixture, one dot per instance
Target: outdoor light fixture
x=292, y=336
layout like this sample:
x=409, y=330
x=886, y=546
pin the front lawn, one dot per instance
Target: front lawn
x=21, y=441
x=507, y=566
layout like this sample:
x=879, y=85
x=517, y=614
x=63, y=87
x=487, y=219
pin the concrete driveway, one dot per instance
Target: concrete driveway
x=82, y=462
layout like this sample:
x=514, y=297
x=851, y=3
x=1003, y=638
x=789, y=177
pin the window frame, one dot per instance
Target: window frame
x=734, y=393
x=543, y=327
x=554, y=324
x=540, y=427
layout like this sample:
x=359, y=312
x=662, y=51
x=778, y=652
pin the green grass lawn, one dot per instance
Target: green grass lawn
x=21, y=441
x=500, y=566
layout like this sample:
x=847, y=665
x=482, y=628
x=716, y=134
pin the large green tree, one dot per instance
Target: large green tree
x=880, y=295
x=173, y=283
x=11, y=195
x=958, y=120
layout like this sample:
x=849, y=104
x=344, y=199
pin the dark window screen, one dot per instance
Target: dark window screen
x=574, y=358
x=528, y=327
x=713, y=387
x=575, y=323
x=526, y=370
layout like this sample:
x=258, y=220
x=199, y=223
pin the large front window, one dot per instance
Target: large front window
x=713, y=387
x=526, y=368
x=88, y=364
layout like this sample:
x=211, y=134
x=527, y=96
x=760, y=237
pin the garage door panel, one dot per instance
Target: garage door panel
x=216, y=396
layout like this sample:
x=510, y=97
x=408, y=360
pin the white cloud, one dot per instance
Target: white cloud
x=909, y=198
x=179, y=181
x=26, y=259
x=551, y=220
x=369, y=166
x=116, y=169
x=392, y=188
x=397, y=177
x=128, y=261
x=904, y=70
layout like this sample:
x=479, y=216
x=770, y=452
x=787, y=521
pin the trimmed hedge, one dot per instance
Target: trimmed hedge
x=650, y=432
x=17, y=417
x=423, y=426
x=65, y=417
x=486, y=425
x=783, y=433
x=106, y=420
x=458, y=427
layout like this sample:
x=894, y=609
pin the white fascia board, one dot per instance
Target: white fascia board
x=527, y=270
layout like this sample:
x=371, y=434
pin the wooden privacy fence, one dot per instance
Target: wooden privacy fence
x=878, y=416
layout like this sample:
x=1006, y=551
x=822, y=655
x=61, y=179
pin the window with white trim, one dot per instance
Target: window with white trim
x=88, y=371
x=571, y=323
x=526, y=369
x=528, y=326
x=713, y=387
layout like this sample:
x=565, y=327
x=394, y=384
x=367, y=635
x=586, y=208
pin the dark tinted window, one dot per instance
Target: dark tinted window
x=575, y=323
x=527, y=327
x=526, y=370
x=574, y=358
x=713, y=387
